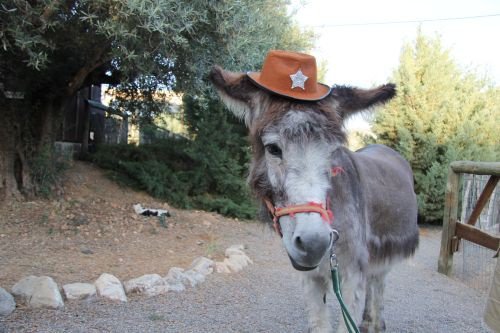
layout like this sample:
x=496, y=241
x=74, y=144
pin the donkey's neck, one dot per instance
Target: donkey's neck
x=347, y=202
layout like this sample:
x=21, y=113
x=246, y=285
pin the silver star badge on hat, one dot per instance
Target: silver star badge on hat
x=298, y=80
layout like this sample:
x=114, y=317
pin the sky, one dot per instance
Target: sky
x=365, y=55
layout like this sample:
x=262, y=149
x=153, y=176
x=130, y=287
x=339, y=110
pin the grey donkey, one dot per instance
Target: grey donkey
x=300, y=160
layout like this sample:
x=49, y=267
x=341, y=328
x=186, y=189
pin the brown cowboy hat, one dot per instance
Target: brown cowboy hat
x=290, y=74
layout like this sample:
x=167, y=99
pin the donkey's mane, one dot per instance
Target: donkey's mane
x=275, y=108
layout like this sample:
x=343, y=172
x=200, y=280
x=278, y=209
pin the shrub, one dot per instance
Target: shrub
x=47, y=169
x=176, y=171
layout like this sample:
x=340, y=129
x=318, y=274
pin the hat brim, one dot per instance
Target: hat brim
x=322, y=90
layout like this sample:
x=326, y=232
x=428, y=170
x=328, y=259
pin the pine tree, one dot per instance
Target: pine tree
x=440, y=114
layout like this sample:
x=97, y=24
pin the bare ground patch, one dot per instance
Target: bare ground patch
x=92, y=228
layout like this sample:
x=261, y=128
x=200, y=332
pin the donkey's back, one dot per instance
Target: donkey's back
x=391, y=205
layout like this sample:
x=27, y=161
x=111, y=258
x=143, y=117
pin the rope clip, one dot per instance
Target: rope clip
x=334, y=237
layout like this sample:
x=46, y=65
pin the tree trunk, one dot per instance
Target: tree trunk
x=24, y=133
x=8, y=183
x=11, y=171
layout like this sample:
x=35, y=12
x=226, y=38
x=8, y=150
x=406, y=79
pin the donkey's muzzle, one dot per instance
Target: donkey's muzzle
x=308, y=248
x=308, y=244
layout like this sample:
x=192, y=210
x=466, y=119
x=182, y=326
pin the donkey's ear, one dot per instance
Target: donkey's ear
x=350, y=100
x=236, y=91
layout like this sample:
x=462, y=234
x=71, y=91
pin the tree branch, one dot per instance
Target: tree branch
x=98, y=60
x=53, y=6
x=48, y=11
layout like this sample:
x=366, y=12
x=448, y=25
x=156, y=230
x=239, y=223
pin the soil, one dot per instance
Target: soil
x=92, y=228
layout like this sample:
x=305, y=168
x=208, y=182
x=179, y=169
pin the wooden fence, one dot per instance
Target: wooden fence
x=453, y=229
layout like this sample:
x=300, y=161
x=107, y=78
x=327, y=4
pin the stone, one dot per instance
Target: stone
x=46, y=294
x=235, y=263
x=232, y=265
x=108, y=286
x=145, y=284
x=221, y=267
x=230, y=251
x=38, y=292
x=235, y=260
x=175, y=278
x=235, y=249
x=194, y=277
x=159, y=289
x=176, y=286
x=202, y=265
x=188, y=277
x=74, y=291
x=153, y=285
x=7, y=303
x=244, y=259
x=175, y=274
x=86, y=250
x=24, y=288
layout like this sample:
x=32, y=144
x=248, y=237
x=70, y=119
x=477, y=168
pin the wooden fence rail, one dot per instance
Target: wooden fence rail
x=454, y=230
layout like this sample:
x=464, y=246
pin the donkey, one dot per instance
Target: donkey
x=309, y=183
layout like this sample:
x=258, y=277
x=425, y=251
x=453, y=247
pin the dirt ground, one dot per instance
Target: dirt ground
x=92, y=228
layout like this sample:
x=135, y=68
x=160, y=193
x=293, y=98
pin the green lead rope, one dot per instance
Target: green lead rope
x=349, y=322
x=334, y=267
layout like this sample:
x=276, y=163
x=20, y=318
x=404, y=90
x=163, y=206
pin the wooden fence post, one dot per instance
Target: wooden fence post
x=445, y=262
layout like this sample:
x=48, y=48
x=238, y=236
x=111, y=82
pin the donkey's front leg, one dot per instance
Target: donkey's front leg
x=316, y=285
x=353, y=283
x=373, y=321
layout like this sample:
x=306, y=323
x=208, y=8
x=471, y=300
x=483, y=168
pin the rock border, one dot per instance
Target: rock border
x=43, y=291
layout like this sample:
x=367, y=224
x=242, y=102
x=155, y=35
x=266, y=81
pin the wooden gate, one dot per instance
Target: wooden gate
x=453, y=229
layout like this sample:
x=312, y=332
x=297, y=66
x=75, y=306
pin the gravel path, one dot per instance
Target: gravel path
x=266, y=297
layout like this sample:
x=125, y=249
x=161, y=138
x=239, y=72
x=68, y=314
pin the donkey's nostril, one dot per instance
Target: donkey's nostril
x=298, y=243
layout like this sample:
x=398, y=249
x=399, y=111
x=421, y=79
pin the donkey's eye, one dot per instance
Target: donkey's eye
x=274, y=150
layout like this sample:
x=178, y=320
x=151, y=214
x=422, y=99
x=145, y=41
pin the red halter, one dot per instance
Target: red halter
x=310, y=207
